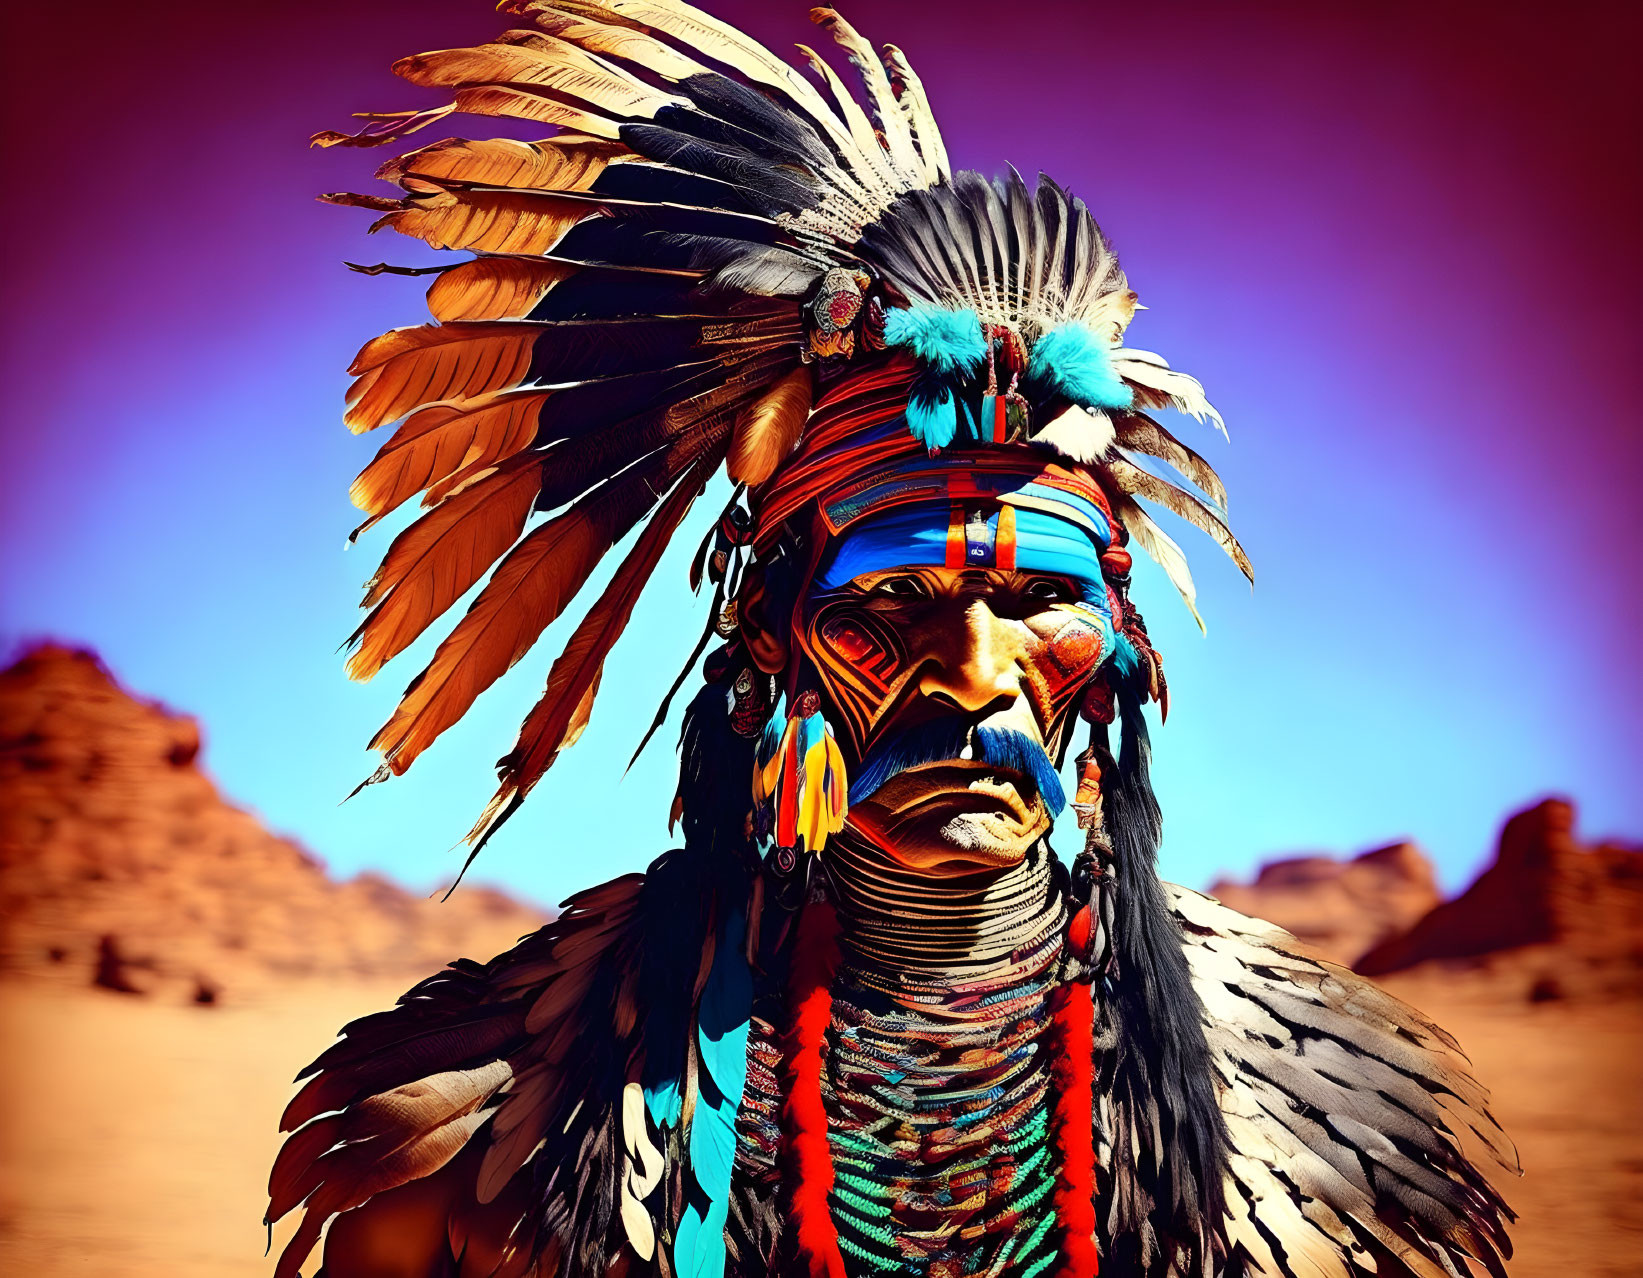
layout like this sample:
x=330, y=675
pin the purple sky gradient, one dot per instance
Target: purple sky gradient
x=1398, y=243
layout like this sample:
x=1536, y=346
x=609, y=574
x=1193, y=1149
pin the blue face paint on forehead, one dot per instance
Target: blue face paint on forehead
x=938, y=536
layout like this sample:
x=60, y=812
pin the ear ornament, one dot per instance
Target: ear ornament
x=799, y=781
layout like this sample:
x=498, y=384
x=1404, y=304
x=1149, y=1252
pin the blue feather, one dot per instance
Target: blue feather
x=933, y=421
x=1072, y=360
x=664, y=1103
x=945, y=341
x=721, y=1039
x=1125, y=659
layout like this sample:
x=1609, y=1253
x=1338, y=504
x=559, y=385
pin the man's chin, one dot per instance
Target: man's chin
x=989, y=838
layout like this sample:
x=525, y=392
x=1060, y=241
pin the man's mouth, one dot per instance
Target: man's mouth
x=960, y=783
x=1001, y=765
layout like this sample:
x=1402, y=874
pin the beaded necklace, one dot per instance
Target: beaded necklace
x=932, y=1052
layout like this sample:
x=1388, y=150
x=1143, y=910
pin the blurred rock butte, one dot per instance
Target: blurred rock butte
x=122, y=866
x=1555, y=917
x=1550, y=918
x=1340, y=908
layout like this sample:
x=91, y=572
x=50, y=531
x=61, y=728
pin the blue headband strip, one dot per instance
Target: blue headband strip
x=916, y=537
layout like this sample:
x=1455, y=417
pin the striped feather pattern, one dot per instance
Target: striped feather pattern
x=1356, y=1126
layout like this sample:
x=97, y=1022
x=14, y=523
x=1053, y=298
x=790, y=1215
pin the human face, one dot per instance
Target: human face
x=903, y=648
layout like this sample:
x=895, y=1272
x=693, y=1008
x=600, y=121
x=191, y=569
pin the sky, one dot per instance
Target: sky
x=1398, y=243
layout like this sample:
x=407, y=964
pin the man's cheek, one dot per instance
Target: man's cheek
x=863, y=661
x=1069, y=644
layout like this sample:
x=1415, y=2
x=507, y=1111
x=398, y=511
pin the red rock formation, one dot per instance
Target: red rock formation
x=121, y=865
x=1340, y=908
x=1550, y=914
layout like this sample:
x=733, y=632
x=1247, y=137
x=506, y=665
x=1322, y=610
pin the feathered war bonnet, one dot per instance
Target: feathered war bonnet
x=710, y=262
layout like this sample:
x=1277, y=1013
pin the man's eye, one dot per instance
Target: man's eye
x=1042, y=588
x=901, y=588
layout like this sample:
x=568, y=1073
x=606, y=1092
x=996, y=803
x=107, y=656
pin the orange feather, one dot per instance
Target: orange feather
x=409, y=367
x=527, y=222
x=528, y=591
x=538, y=59
x=557, y=719
x=434, y=561
x=566, y=162
x=441, y=440
x=770, y=427
x=491, y=288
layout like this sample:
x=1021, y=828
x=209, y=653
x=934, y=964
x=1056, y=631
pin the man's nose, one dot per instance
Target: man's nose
x=973, y=661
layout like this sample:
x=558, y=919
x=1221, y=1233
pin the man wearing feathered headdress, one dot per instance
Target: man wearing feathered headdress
x=864, y=1020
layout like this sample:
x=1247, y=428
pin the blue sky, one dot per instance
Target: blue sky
x=1405, y=289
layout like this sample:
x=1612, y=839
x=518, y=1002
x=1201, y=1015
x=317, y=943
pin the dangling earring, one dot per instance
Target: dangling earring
x=799, y=780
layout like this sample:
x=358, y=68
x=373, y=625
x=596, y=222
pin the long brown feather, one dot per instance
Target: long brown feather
x=770, y=427
x=554, y=64
x=441, y=440
x=408, y=367
x=1140, y=432
x=529, y=589
x=566, y=699
x=532, y=104
x=529, y=223
x=565, y=162
x=599, y=34
x=433, y=562
x=494, y=288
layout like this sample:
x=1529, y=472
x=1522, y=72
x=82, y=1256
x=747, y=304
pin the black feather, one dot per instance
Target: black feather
x=665, y=184
x=731, y=101
x=775, y=188
x=598, y=292
x=578, y=350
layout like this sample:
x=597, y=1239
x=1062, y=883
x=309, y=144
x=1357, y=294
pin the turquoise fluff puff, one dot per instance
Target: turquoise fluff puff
x=944, y=341
x=1073, y=361
x=933, y=419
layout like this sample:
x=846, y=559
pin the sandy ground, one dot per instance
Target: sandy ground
x=135, y=1137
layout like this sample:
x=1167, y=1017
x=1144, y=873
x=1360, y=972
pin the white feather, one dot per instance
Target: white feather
x=1079, y=435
